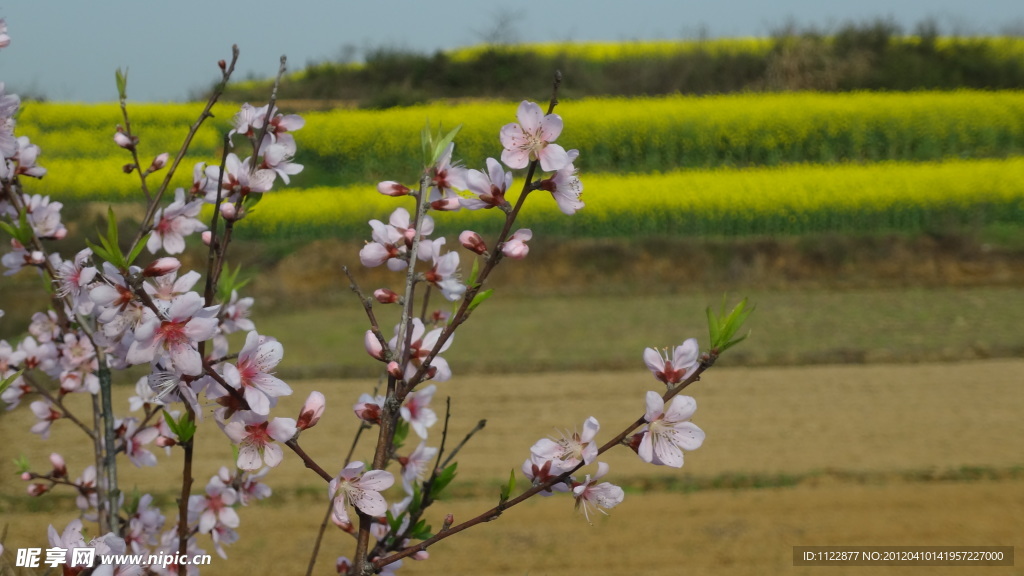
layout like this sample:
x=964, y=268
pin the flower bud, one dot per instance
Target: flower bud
x=123, y=140
x=448, y=521
x=207, y=237
x=159, y=162
x=385, y=296
x=230, y=213
x=128, y=168
x=222, y=65
x=515, y=247
x=60, y=470
x=26, y=476
x=390, y=188
x=395, y=370
x=311, y=411
x=373, y=345
x=446, y=204
x=37, y=489
x=161, y=267
x=165, y=441
x=367, y=412
x=472, y=241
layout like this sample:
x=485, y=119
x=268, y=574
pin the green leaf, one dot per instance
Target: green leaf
x=443, y=479
x=421, y=531
x=480, y=298
x=122, y=83
x=98, y=251
x=723, y=327
x=21, y=463
x=426, y=143
x=416, y=502
x=440, y=146
x=474, y=274
x=183, y=428
x=10, y=379
x=138, y=248
x=506, y=490
x=394, y=523
x=15, y=233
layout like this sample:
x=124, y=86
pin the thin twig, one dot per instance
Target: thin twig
x=496, y=511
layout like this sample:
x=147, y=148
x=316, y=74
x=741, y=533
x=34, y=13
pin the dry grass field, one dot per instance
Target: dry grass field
x=925, y=454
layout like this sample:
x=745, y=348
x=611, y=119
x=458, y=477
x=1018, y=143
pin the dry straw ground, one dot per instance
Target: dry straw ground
x=925, y=454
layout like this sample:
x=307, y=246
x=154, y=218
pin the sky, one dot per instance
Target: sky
x=68, y=50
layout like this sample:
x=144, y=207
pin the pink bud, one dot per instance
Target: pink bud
x=373, y=345
x=122, y=139
x=446, y=204
x=311, y=411
x=367, y=412
x=161, y=267
x=229, y=212
x=394, y=369
x=59, y=234
x=515, y=247
x=472, y=241
x=37, y=489
x=165, y=441
x=159, y=162
x=207, y=237
x=385, y=296
x=26, y=476
x=222, y=65
x=59, y=468
x=389, y=188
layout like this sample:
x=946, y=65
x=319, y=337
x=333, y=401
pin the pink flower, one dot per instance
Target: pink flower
x=237, y=181
x=215, y=508
x=5, y=39
x=447, y=177
x=252, y=374
x=545, y=470
x=489, y=188
x=669, y=433
x=278, y=157
x=416, y=465
x=515, y=247
x=45, y=414
x=236, y=314
x=362, y=490
x=445, y=276
x=601, y=496
x=416, y=410
x=565, y=186
x=255, y=437
x=368, y=408
x=174, y=223
x=134, y=439
x=531, y=139
x=420, y=346
x=26, y=158
x=176, y=338
x=570, y=450
x=73, y=276
x=682, y=364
